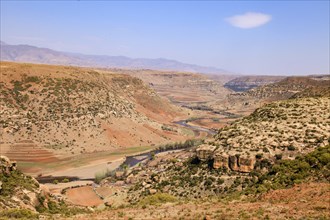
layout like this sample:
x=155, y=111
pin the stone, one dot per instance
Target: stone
x=205, y=152
x=221, y=160
x=246, y=164
x=233, y=163
x=131, y=179
x=179, y=164
x=6, y=166
x=119, y=174
x=152, y=191
x=119, y=183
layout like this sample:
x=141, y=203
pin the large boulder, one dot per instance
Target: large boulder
x=205, y=152
x=221, y=160
x=246, y=164
x=6, y=166
x=233, y=163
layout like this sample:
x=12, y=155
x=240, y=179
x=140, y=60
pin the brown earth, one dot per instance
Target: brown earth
x=61, y=112
x=304, y=201
x=183, y=87
x=83, y=196
x=28, y=152
x=72, y=110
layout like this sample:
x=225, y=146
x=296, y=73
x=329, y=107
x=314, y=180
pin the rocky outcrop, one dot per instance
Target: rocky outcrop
x=245, y=83
x=233, y=163
x=6, y=166
x=246, y=164
x=205, y=152
x=18, y=190
x=221, y=160
x=243, y=164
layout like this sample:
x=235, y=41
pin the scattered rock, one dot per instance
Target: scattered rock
x=152, y=191
x=119, y=174
x=119, y=183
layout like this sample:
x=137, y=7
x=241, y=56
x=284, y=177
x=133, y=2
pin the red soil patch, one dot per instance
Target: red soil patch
x=84, y=196
x=124, y=133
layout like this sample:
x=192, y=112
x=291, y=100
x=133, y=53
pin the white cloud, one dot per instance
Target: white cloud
x=249, y=20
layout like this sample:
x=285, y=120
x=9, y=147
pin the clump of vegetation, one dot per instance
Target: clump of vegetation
x=168, y=128
x=18, y=214
x=58, y=208
x=99, y=176
x=313, y=166
x=179, y=145
x=158, y=198
x=14, y=180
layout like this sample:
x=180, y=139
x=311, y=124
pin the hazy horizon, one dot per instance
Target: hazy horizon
x=262, y=38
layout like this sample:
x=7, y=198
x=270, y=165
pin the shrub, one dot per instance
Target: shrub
x=14, y=180
x=66, y=180
x=158, y=198
x=291, y=148
x=100, y=176
x=315, y=165
x=18, y=213
x=265, y=149
x=278, y=156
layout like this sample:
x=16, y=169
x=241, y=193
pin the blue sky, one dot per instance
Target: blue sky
x=251, y=37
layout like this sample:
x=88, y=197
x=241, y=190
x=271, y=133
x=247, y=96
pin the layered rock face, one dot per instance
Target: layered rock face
x=243, y=164
x=233, y=163
x=205, y=152
x=221, y=160
x=246, y=164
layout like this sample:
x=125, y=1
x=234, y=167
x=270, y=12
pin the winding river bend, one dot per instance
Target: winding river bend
x=88, y=172
x=135, y=159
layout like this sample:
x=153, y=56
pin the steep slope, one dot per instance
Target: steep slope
x=22, y=197
x=244, y=83
x=279, y=145
x=296, y=188
x=32, y=54
x=287, y=87
x=182, y=88
x=73, y=110
x=284, y=128
x=249, y=100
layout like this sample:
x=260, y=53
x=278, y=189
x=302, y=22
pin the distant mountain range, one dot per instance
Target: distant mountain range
x=33, y=54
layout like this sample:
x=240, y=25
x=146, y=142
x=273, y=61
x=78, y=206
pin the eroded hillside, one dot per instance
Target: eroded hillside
x=248, y=101
x=285, y=142
x=244, y=83
x=182, y=88
x=75, y=110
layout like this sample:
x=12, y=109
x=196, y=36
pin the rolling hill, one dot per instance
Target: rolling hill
x=72, y=110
